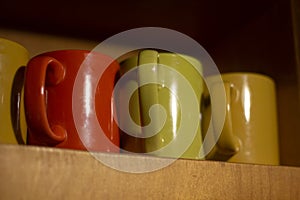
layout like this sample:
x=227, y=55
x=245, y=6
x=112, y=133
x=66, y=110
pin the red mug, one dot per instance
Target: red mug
x=49, y=85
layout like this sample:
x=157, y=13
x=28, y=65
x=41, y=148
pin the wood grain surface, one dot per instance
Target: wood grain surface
x=29, y=172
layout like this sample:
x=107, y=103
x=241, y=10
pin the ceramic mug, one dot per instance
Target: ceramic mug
x=13, y=58
x=50, y=79
x=249, y=133
x=163, y=79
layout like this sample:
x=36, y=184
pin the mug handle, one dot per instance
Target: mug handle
x=148, y=94
x=227, y=144
x=15, y=104
x=40, y=69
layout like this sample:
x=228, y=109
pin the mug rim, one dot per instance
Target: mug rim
x=192, y=60
x=14, y=44
x=243, y=74
x=80, y=51
x=65, y=50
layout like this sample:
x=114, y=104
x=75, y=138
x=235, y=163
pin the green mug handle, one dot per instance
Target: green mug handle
x=15, y=104
x=148, y=93
x=227, y=143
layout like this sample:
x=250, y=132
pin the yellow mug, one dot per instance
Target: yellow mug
x=174, y=82
x=249, y=133
x=13, y=59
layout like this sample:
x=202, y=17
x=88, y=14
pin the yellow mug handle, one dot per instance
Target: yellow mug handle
x=148, y=93
x=15, y=105
x=227, y=143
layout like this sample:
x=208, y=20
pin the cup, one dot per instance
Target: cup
x=13, y=58
x=249, y=133
x=164, y=92
x=50, y=107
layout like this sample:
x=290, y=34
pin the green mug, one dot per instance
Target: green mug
x=249, y=133
x=174, y=82
x=13, y=59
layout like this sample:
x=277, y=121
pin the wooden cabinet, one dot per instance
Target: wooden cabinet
x=258, y=36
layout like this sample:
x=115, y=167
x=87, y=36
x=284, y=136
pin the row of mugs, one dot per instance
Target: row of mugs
x=247, y=134
x=70, y=96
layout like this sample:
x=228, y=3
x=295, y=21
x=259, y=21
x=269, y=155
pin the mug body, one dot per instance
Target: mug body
x=159, y=80
x=49, y=100
x=13, y=59
x=253, y=116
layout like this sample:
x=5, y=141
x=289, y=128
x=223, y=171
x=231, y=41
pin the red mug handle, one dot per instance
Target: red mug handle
x=42, y=71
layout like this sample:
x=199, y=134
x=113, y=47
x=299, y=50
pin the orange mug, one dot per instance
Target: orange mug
x=49, y=85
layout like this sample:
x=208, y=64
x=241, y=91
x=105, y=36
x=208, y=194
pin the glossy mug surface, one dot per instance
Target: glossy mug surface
x=159, y=78
x=13, y=58
x=249, y=133
x=50, y=79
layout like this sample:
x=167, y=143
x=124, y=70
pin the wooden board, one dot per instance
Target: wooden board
x=28, y=172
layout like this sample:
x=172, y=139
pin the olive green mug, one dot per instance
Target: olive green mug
x=13, y=59
x=249, y=133
x=174, y=82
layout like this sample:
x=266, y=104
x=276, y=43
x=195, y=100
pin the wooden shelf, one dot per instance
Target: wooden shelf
x=29, y=172
x=258, y=36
